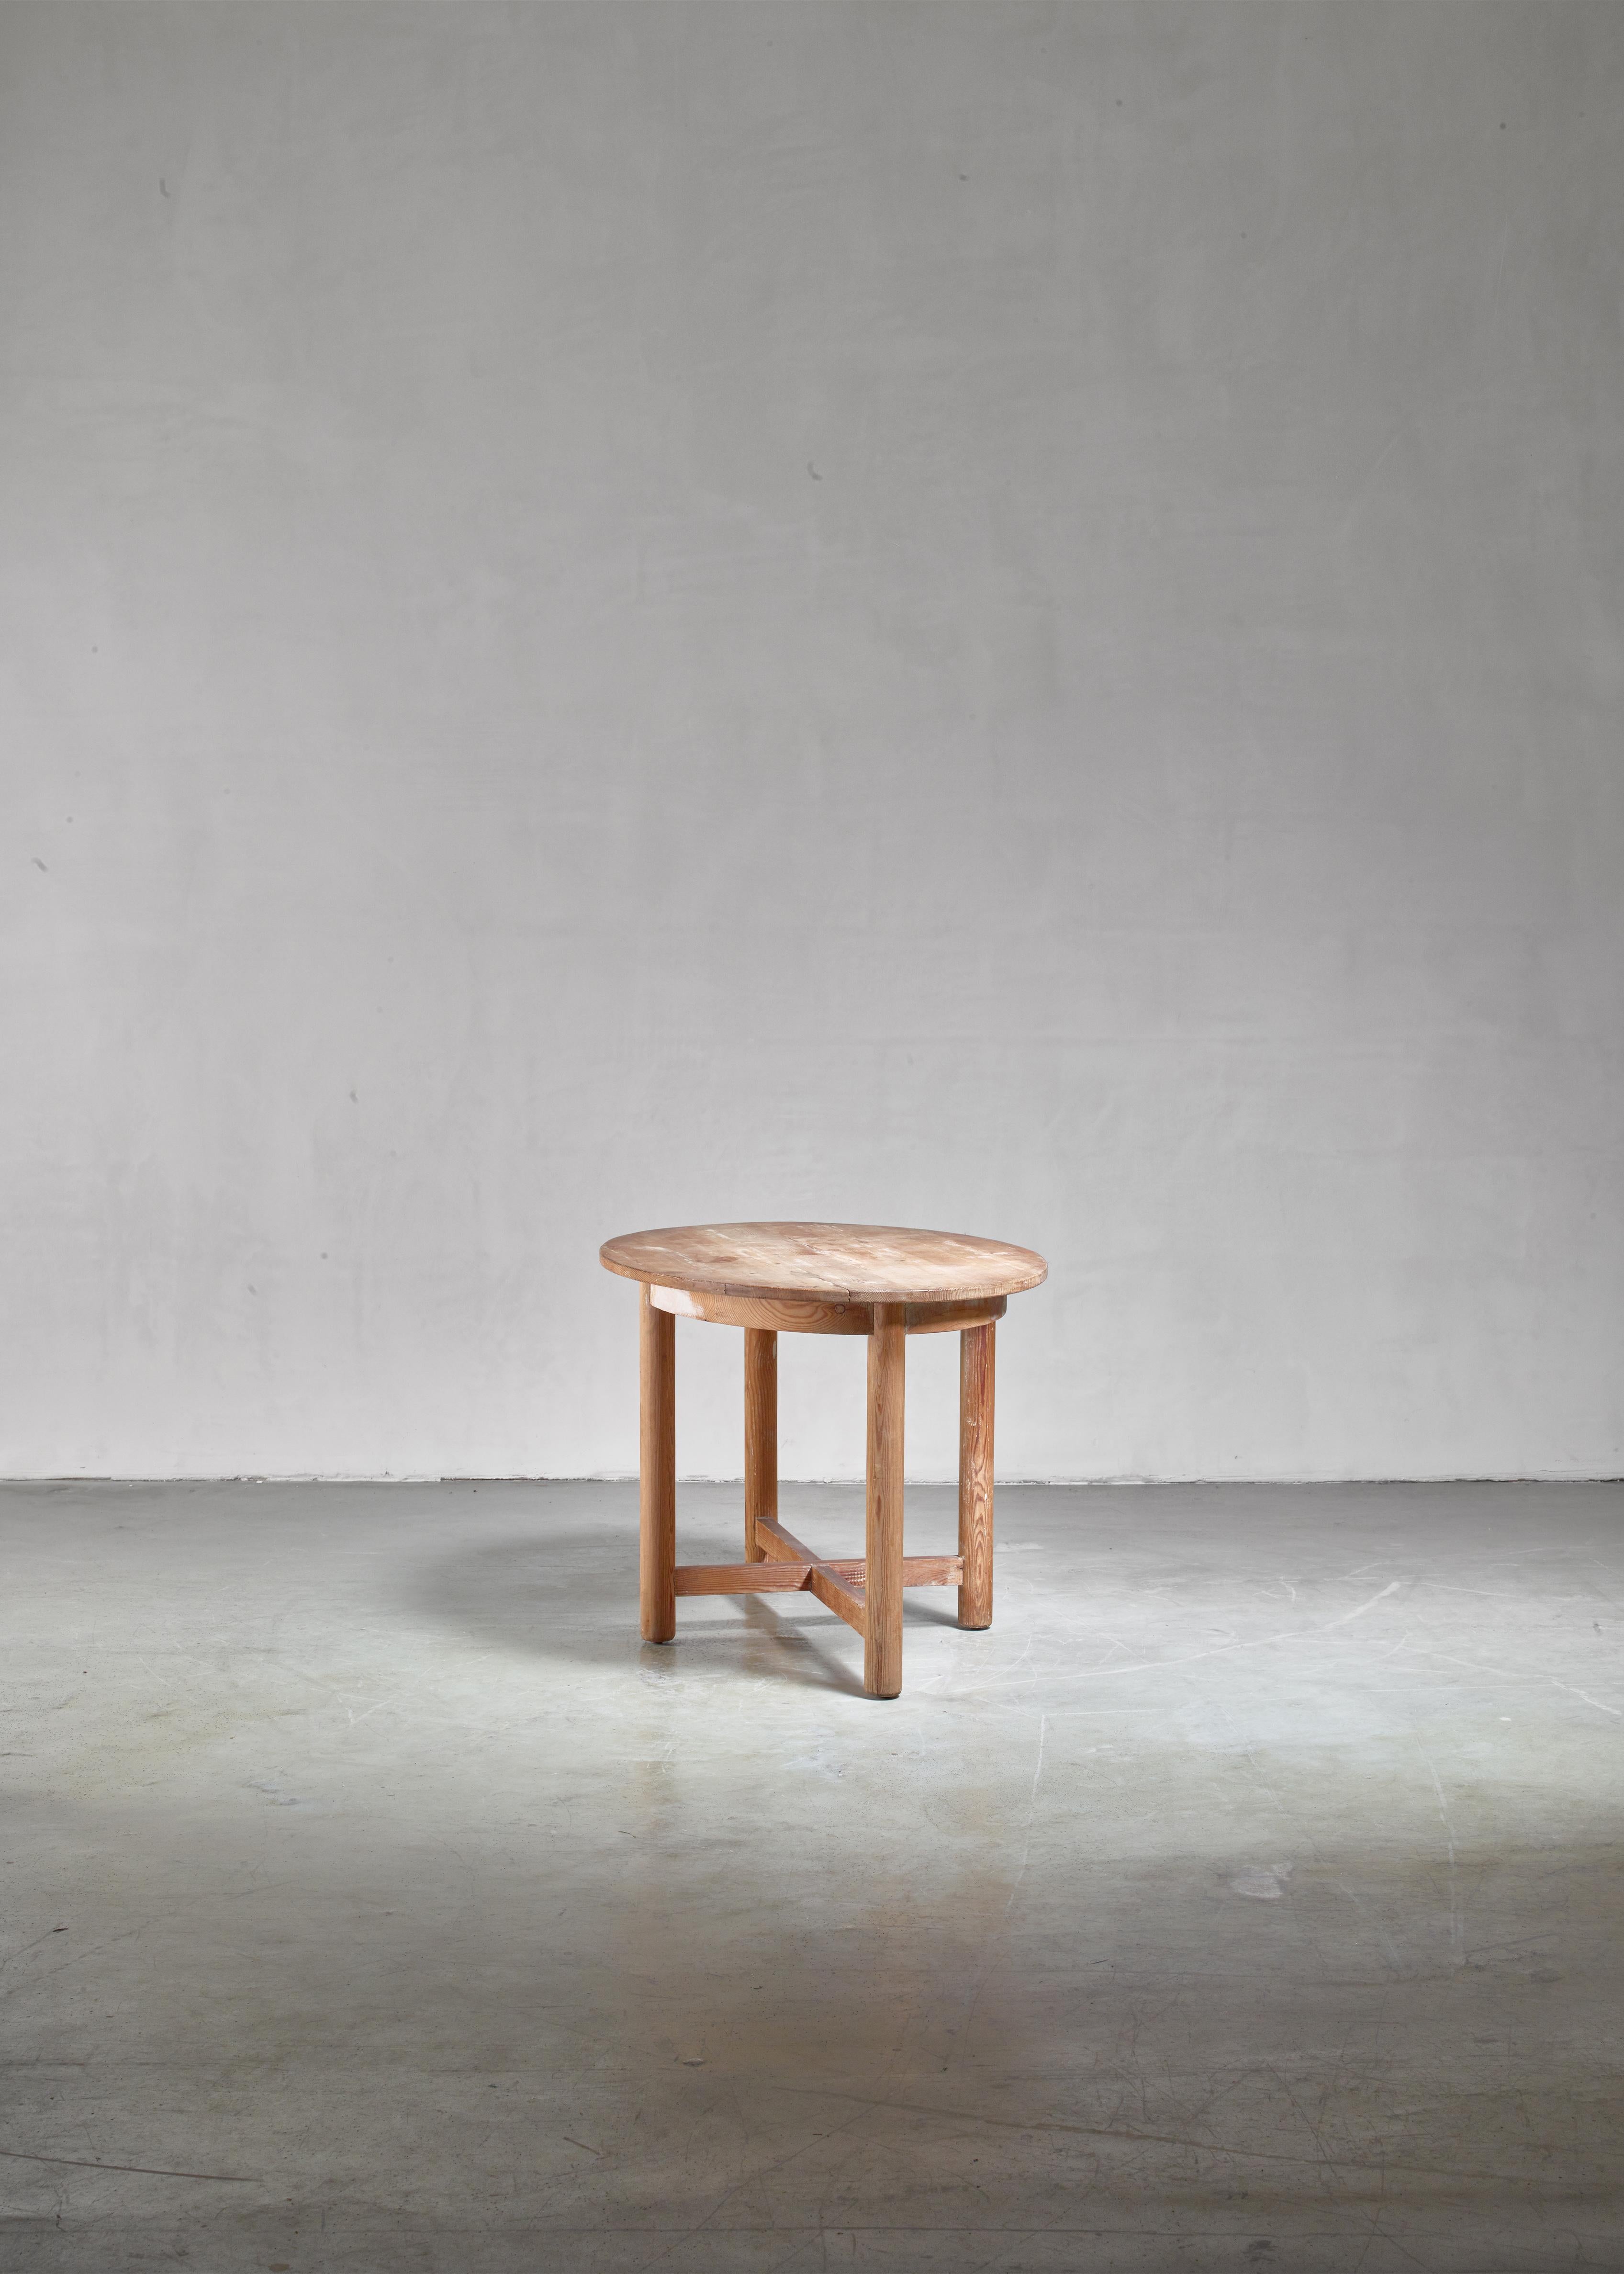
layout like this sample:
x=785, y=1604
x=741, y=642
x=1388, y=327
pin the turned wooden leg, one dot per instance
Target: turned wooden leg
x=761, y=1433
x=883, y=1580
x=657, y=1451
x=976, y=1352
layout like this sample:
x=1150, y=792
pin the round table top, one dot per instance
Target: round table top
x=849, y=1262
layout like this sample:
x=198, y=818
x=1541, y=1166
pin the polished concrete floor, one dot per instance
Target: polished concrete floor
x=1249, y=1897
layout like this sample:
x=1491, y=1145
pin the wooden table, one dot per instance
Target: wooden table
x=873, y=1279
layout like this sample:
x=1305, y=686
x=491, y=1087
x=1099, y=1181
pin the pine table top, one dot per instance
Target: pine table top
x=850, y=1263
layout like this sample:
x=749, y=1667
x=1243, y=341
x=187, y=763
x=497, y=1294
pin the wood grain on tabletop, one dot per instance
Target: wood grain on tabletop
x=861, y=1262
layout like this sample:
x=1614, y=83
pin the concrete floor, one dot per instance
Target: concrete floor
x=1248, y=1897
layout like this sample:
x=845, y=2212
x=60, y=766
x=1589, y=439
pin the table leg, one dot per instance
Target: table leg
x=883, y=1580
x=657, y=1454
x=976, y=1354
x=761, y=1433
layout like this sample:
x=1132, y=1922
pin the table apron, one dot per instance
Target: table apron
x=806, y=1316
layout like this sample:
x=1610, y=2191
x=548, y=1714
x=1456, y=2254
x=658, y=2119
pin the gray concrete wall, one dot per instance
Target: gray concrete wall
x=1003, y=616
